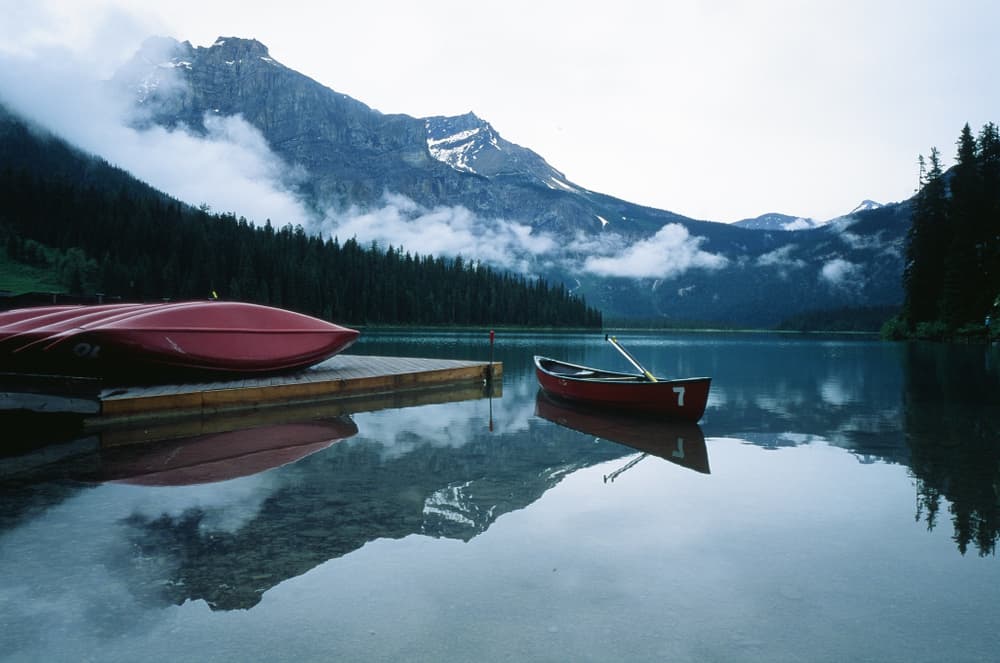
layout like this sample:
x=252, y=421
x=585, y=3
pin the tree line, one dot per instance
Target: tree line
x=107, y=233
x=951, y=278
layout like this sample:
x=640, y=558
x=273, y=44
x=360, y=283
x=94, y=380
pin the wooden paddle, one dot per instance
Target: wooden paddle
x=614, y=342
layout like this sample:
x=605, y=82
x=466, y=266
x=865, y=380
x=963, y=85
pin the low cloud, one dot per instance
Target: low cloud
x=670, y=252
x=442, y=231
x=230, y=167
x=781, y=260
x=798, y=224
x=781, y=257
x=840, y=273
x=452, y=231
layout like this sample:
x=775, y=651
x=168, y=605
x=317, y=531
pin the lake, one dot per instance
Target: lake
x=839, y=501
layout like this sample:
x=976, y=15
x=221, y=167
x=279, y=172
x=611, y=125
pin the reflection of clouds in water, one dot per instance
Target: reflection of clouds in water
x=64, y=570
x=797, y=439
x=227, y=505
x=717, y=398
x=777, y=404
x=75, y=567
x=835, y=392
x=447, y=425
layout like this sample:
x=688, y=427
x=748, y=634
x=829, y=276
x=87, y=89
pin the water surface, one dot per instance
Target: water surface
x=838, y=501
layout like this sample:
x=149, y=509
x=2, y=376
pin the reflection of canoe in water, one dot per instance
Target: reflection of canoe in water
x=681, y=399
x=679, y=442
x=148, y=339
x=221, y=456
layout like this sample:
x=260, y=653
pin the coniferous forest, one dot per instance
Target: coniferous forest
x=951, y=279
x=104, y=232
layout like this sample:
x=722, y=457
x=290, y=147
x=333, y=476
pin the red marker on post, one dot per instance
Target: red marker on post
x=492, y=336
x=490, y=379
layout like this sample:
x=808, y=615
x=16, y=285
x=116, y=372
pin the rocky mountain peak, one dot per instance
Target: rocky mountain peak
x=470, y=144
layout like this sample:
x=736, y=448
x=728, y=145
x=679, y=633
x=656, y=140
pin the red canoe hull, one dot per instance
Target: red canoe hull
x=202, y=337
x=684, y=399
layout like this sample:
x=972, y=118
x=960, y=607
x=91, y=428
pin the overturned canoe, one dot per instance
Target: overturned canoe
x=208, y=337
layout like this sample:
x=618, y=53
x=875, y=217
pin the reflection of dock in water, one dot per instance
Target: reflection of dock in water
x=681, y=443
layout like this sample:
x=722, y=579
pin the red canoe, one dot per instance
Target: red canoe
x=683, y=399
x=151, y=339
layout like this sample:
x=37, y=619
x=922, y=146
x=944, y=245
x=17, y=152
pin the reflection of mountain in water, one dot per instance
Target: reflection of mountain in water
x=335, y=501
x=952, y=421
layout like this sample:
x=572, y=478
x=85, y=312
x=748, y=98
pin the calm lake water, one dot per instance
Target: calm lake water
x=839, y=501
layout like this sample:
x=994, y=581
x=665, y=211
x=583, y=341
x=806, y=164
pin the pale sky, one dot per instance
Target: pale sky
x=718, y=110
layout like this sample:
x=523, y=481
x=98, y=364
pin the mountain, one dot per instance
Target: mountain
x=346, y=159
x=775, y=221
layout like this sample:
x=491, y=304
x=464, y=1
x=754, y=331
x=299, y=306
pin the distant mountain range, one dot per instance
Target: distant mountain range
x=776, y=221
x=397, y=179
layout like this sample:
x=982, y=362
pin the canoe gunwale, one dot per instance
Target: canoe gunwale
x=599, y=375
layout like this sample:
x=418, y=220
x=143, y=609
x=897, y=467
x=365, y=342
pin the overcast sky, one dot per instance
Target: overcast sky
x=715, y=109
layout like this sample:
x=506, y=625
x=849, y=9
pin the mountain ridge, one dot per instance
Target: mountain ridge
x=515, y=209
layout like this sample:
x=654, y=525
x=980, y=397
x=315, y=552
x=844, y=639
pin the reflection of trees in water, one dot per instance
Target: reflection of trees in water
x=952, y=421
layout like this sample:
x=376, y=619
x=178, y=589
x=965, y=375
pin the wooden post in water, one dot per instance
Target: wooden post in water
x=489, y=380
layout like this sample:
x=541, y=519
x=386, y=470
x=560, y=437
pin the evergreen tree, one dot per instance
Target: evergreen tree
x=988, y=231
x=952, y=274
x=963, y=265
x=923, y=274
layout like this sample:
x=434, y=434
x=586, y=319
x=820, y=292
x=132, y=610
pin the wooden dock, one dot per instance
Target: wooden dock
x=367, y=382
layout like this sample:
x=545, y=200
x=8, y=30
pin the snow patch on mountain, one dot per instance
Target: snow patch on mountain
x=865, y=206
x=456, y=150
x=471, y=145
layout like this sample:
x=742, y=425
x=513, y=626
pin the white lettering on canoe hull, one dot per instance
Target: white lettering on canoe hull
x=680, y=396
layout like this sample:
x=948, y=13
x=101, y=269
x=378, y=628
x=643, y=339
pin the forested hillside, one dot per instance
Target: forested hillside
x=103, y=231
x=952, y=273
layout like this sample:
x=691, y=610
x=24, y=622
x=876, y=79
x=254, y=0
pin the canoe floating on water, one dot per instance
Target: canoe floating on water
x=150, y=340
x=682, y=399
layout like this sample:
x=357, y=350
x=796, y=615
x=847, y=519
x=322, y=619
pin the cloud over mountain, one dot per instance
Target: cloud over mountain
x=670, y=252
x=230, y=168
x=441, y=231
x=841, y=273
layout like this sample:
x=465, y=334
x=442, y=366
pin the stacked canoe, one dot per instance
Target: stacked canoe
x=168, y=338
